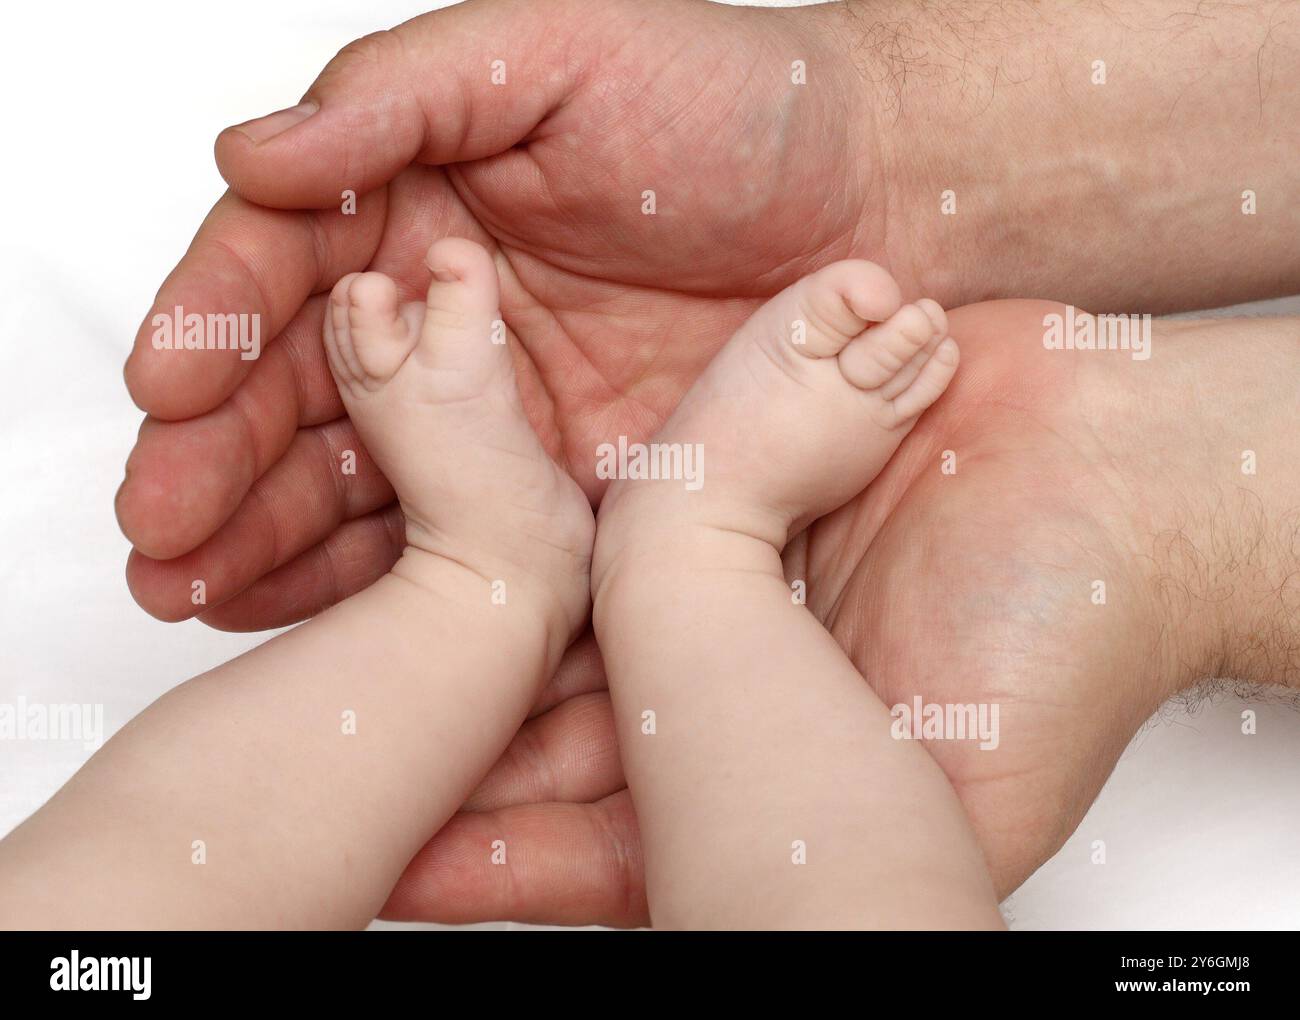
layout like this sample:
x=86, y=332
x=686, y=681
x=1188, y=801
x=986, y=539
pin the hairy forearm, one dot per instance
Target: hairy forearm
x=1221, y=549
x=1090, y=153
x=289, y=787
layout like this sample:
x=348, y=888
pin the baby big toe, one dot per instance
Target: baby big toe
x=837, y=301
x=463, y=331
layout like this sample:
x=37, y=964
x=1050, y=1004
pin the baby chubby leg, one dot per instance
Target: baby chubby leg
x=768, y=787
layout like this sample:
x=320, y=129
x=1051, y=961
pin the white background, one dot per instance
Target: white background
x=110, y=113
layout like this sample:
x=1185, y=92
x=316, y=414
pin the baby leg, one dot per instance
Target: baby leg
x=768, y=787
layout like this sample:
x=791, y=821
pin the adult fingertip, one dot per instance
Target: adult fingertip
x=146, y=515
x=183, y=481
x=173, y=385
x=263, y=129
x=142, y=575
x=281, y=162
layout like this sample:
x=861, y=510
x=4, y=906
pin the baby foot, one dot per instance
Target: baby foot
x=802, y=408
x=431, y=389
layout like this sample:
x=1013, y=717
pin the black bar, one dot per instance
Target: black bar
x=584, y=972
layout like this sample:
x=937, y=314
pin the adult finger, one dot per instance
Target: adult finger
x=298, y=503
x=539, y=863
x=246, y=261
x=353, y=557
x=568, y=754
x=184, y=479
x=581, y=671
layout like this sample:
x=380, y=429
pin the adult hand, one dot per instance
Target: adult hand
x=236, y=477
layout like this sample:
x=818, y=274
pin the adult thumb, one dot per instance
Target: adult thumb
x=458, y=84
